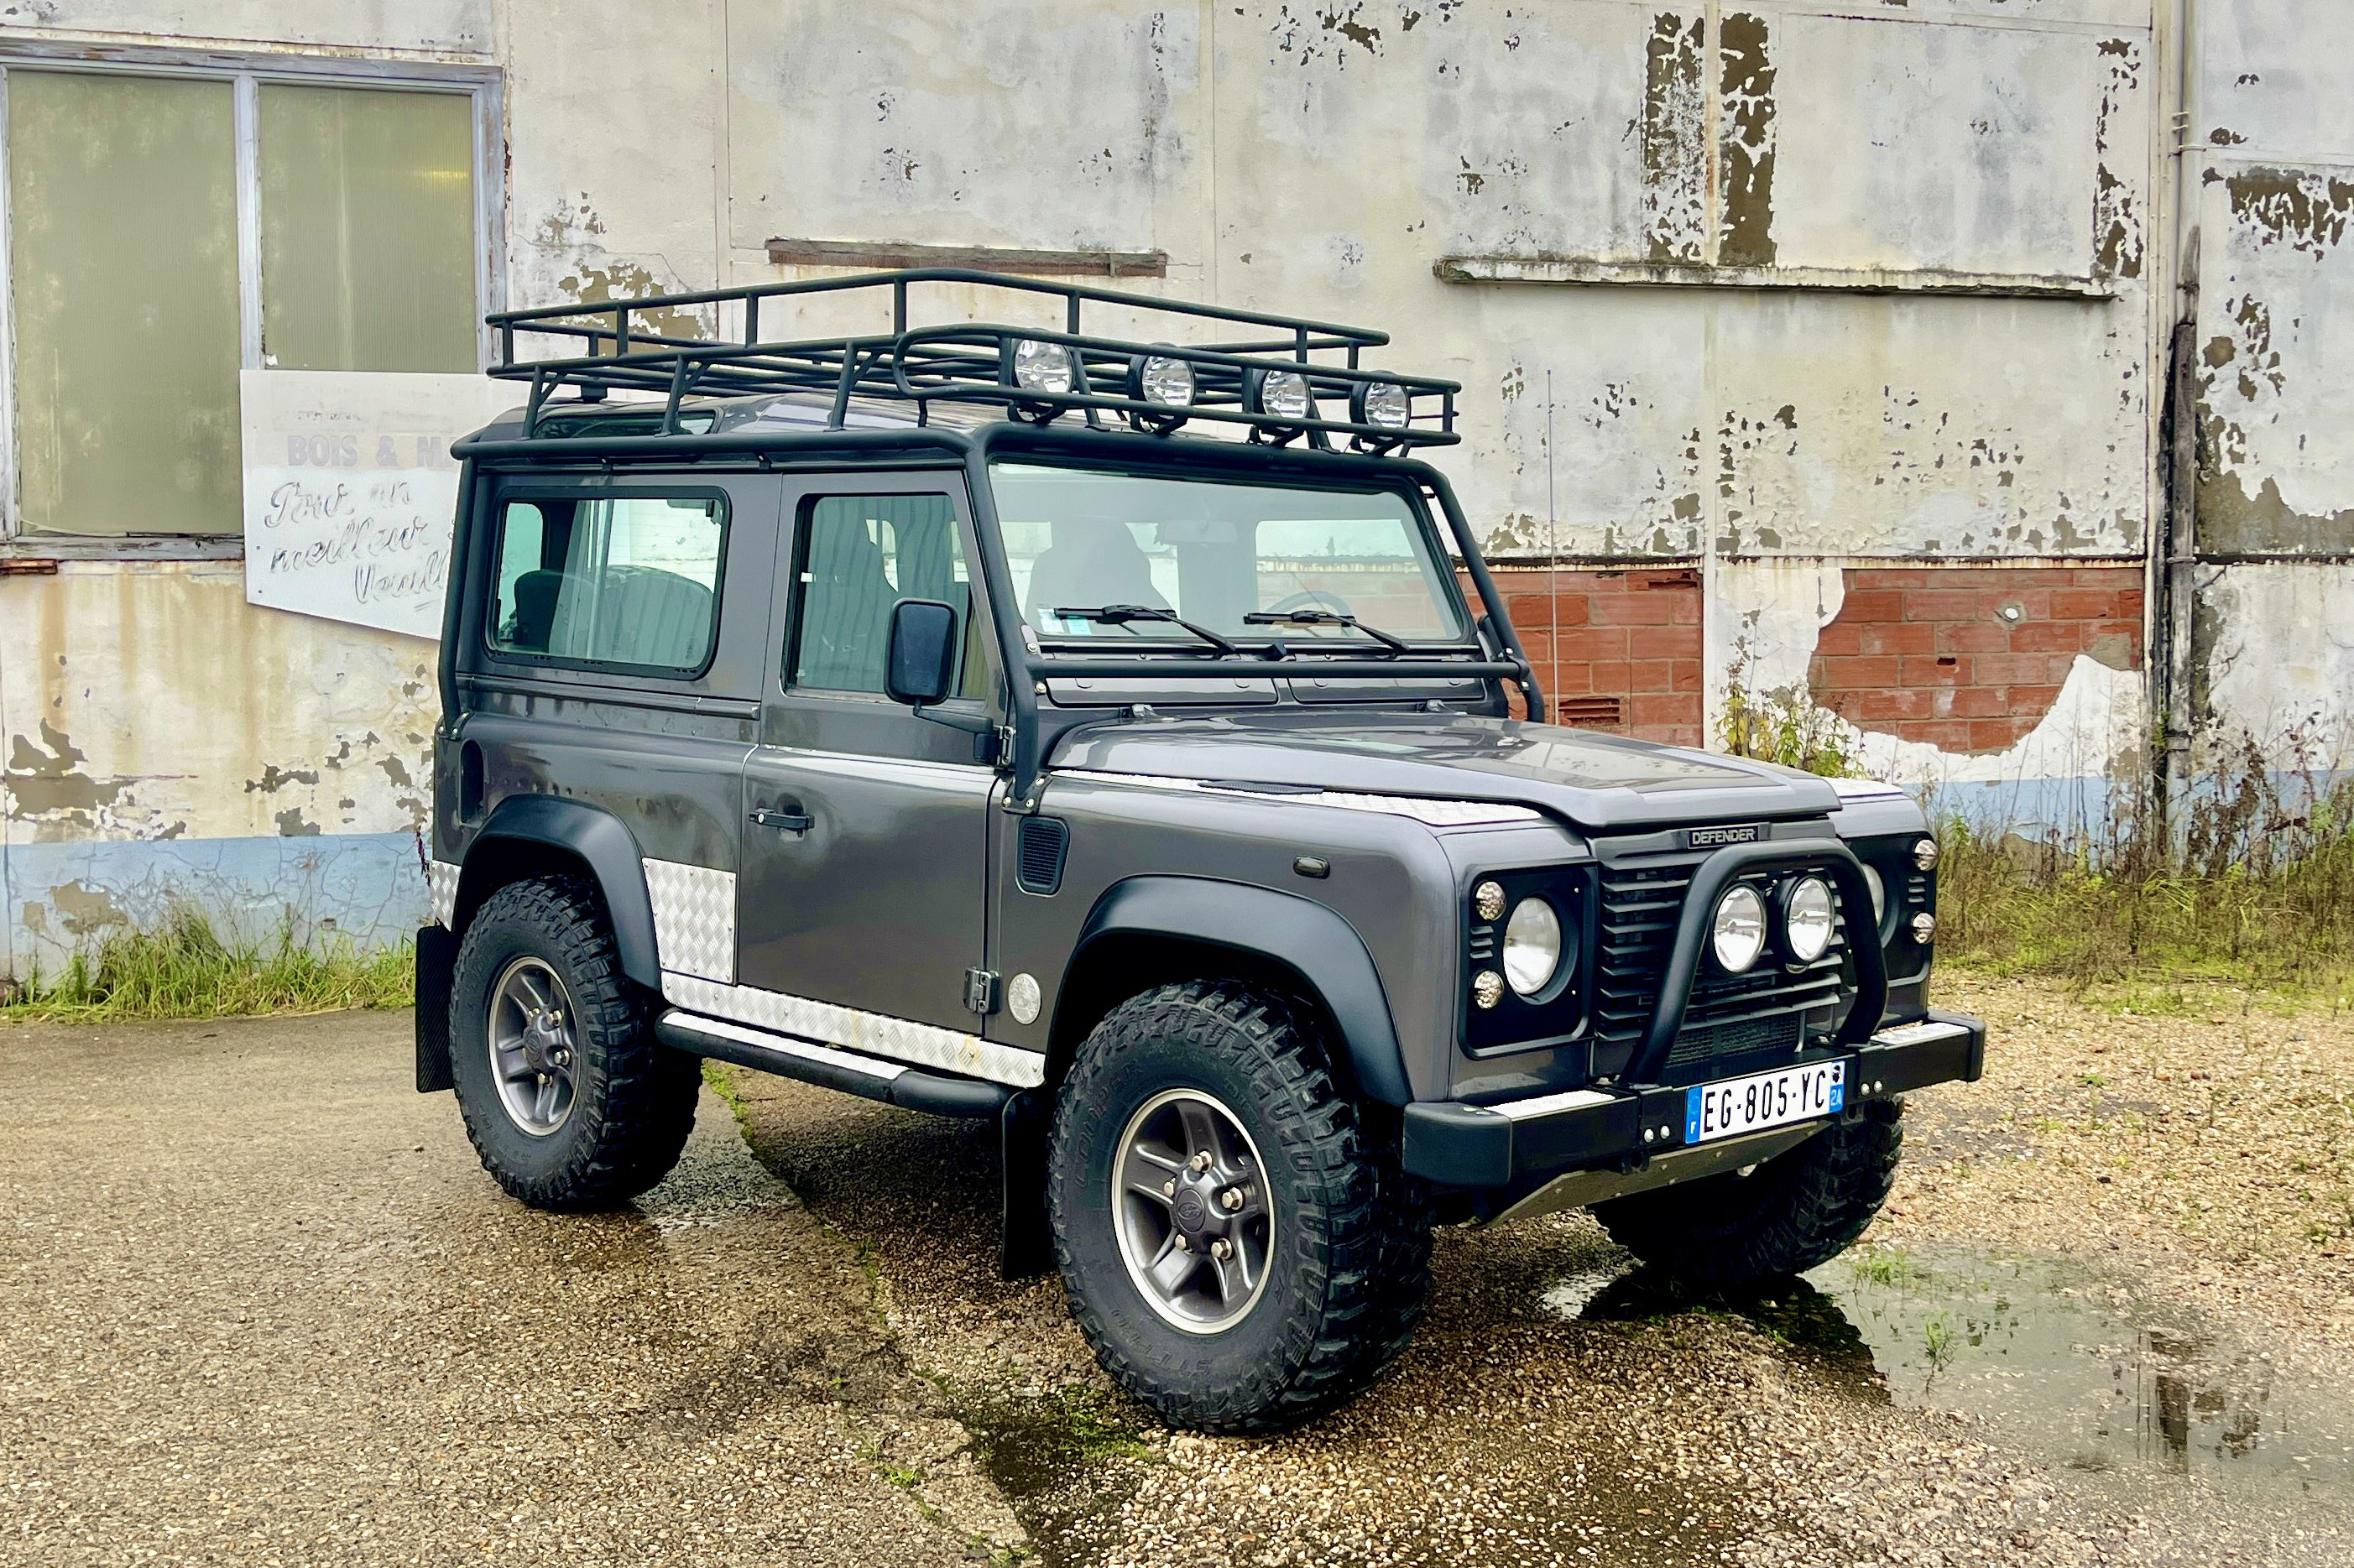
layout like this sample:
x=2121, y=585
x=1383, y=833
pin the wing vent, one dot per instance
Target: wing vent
x=1044, y=839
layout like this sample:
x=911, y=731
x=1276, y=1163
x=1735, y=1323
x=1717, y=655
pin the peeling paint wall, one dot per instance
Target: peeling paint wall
x=160, y=738
x=2275, y=135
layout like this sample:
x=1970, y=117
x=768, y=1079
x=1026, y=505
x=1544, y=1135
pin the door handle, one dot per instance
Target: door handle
x=783, y=822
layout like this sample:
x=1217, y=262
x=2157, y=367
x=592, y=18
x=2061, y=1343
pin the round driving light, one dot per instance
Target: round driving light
x=1384, y=403
x=1283, y=393
x=1488, y=900
x=1738, y=932
x=1531, y=946
x=1167, y=381
x=1042, y=367
x=1924, y=854
x=1879, y=895
x=1924, y=927
x=1806, y=918
x=1487, y=988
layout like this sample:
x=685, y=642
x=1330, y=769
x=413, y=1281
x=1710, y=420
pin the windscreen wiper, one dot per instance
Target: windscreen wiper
x=1121, y=614
x=1326, y=618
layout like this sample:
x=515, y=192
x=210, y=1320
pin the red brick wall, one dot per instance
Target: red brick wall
x=1627, y=656
x=1967, y=657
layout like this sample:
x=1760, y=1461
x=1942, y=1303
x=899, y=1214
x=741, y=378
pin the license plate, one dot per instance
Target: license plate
x=1763, y=1100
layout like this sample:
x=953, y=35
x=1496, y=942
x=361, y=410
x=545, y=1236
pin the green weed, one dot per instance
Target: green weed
x=186, y=969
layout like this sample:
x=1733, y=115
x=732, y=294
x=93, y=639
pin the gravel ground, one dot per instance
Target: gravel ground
x=263, y=1306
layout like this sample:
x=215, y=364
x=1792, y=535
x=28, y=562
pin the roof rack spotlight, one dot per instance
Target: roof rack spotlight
x=1163, y=379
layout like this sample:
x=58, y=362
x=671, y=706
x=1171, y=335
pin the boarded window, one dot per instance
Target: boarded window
x=367, y=229
x=127, y=279
x=627, y=581
x=122, y=248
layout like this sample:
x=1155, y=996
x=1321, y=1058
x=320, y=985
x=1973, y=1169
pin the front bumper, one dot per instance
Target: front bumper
x=1492, y=1146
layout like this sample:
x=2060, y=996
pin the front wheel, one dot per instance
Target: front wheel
x=1784, y=1216
x=1240, y=1253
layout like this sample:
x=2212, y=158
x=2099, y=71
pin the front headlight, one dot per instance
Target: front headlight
x=1041, y=367
x=1806, y=915
x=1738, y=931
x=1531, y=946
x=1878, y=896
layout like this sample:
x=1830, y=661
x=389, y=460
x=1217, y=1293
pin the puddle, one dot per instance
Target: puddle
x=2082, y=1368
x=2073, y=1366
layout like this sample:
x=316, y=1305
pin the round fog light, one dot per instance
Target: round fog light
x=1807, y=914
x=1924, y=854
x=1924, y=927
x=1531, y=946
x=1738, y=932
x=1041, y=367
x=1487, y=988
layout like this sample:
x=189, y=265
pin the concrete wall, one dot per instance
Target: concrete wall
x=1827, y=330
x=2272, y=127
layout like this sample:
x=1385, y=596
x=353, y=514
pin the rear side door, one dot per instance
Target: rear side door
x=865, y=883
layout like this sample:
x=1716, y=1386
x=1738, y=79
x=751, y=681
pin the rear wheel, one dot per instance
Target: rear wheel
x=1238, y=1250
x=1784, y=1216
x=569, y=1100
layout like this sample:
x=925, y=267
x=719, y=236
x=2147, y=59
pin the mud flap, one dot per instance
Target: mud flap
x=436, y=967
x=1024, y=1241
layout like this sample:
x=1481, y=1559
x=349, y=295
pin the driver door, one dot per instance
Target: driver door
x=865, y=874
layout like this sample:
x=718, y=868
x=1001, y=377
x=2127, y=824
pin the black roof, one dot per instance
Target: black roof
x=631, y=345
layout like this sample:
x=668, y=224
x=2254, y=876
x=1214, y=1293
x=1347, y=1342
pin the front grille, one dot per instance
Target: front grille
x=1728, y=1015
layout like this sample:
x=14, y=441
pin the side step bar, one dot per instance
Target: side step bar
x=893, y=1082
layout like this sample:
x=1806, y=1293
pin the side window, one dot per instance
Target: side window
x=622, y=579
x=860, y=556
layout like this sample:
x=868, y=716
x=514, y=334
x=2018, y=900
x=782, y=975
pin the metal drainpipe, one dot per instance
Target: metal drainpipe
x=2177, y=552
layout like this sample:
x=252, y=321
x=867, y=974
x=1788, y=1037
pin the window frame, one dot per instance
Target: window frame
x=245, y=72
x=531, y=494
x=805, y=506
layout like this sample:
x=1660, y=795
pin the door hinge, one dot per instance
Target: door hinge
x=981, y=992
x=1005, y=745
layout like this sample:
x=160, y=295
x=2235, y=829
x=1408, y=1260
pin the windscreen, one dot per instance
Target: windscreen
x=1214, y=552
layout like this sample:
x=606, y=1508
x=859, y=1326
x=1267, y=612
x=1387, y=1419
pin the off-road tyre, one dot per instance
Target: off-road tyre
x=1351, y=1262
x=633, y=1100
x=1789, y=1214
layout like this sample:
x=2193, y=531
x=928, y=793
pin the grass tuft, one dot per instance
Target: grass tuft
x=184, y=969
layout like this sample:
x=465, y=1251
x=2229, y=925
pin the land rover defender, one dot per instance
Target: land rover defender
x=1122, y=740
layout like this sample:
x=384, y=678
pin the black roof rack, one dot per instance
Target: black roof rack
x=1036, y=374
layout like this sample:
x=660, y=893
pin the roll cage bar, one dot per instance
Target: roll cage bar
x=885, y=366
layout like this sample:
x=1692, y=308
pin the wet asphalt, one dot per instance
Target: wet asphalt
x=258, y=1304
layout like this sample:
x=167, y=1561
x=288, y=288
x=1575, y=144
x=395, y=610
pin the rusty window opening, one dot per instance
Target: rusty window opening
x=859, y=253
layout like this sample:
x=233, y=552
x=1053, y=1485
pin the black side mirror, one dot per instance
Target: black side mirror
x=919, y=665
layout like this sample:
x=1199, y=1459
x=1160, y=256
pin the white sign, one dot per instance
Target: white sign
x=350, y=489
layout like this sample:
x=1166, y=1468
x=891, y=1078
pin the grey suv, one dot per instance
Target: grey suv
x=1094, y=734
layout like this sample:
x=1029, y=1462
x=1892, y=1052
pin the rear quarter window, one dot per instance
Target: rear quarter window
x=623, y=581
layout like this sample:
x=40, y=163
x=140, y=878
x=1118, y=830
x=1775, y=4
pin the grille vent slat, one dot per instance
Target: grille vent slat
x=1039, y=859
